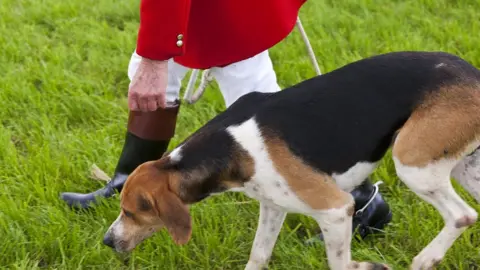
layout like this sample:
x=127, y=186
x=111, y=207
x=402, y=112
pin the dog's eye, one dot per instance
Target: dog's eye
x=128, y=213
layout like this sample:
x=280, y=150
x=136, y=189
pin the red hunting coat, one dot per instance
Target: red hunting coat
x=206, y=33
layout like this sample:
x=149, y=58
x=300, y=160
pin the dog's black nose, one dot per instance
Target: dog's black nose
x=108, y=240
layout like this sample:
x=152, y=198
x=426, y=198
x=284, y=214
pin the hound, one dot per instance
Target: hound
x=303, y=149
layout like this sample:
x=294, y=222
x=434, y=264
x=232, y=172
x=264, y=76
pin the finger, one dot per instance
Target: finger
x=152, y=104
x=143, y=104
x=133, y=105
x=132, y=101
x=161, y=101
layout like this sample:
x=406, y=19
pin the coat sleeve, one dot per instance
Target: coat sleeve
x=163, y=25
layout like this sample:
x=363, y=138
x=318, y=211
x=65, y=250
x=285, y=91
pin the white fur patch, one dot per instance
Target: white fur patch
x=267, y=184
x=117, y=227
x=176, y=154
x=116, y=231
x=354, y=176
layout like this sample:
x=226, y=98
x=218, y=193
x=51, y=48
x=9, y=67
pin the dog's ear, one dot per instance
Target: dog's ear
x=175, y=215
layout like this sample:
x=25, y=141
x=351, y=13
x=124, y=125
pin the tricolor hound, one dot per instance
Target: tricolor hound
x=303, y=149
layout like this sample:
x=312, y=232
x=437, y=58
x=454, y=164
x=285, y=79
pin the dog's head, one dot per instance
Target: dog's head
x=149, y=204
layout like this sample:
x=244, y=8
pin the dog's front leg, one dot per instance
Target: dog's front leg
x=336, y=226
x=269, y=224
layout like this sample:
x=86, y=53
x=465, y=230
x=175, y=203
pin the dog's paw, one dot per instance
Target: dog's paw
x=427, y=259
x=425, y=263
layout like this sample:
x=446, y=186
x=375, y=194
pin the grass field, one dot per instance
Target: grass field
x=63, y=88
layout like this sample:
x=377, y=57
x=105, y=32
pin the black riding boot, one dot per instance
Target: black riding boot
x=372, y=213
x=147, y=139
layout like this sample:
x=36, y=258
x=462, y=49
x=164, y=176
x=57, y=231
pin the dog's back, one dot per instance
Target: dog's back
x=351, y=114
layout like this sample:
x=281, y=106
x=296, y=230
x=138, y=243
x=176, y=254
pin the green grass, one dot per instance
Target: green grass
x=63, y=107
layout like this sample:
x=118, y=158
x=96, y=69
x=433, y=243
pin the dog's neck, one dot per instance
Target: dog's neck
x=207, y=165
x=192, y=184
x=195, y=185
x=188, y=186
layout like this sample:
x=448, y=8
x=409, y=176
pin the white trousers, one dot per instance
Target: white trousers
x=235, y=80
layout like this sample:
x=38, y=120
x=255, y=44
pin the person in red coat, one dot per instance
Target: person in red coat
x=231, y=38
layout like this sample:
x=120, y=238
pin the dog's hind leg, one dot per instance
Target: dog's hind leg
x=439, y=134
x=431, y=182
x=270, y=222
x=467, y=173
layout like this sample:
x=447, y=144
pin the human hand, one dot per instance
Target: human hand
x=148, y=87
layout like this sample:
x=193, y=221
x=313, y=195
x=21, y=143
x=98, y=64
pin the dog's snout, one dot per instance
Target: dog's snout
x=108, y=240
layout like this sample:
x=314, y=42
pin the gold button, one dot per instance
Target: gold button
x=179, y=43
x=180, y=36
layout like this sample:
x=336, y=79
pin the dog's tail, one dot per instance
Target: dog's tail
x=467, y=173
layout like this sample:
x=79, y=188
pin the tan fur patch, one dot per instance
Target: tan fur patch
x=239, y=170
x=351, y=210
x=186, y=183
x=231, y=184
x=314, y=188
x=441, y=127
x=243, y=163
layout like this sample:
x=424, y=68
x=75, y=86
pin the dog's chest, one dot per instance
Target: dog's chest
x=266, y=184
x=273, y=190
x=269, y=186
